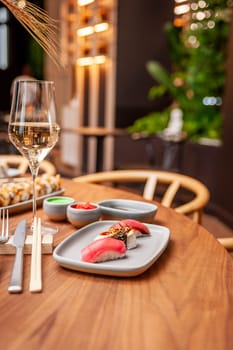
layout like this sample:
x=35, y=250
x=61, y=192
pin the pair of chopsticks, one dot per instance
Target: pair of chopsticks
x=35, y=275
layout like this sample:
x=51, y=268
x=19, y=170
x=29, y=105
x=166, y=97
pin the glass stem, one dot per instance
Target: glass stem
x=34, y=172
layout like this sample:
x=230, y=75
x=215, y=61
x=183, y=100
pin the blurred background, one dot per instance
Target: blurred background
x=126, y=68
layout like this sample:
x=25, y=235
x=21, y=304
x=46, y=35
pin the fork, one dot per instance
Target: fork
x=4, y=216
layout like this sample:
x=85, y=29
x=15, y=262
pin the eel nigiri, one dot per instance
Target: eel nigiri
x=139, y=227
x=103, y=249
x=125, y=234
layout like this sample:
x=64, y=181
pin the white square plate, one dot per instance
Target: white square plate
x=137, y=260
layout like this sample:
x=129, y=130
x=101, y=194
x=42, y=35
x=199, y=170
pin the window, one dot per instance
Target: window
x=4, y=37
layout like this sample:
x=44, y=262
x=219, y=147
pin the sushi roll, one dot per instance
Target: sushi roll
x=13, y=192
x=24, y=191
x=55, y=182
x=4, y=197
x=46, y=184
x=139, y=228
x=103, y=249
x=16, y=192
x=43, y=185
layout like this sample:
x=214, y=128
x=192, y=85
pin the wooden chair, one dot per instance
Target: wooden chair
x=20, y=163
x=174, y=183
x=191, y=199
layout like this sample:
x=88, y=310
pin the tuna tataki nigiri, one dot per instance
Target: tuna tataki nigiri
x=103, y=249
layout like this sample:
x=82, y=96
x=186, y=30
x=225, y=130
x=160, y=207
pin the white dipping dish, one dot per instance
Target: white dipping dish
x=80, y=217
x=118, y=209
x=55, y=207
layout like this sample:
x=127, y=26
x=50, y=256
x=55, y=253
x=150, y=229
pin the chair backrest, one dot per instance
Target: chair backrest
x=47, y=167
x=191, y=199
x=20, y=163
x=14, y=161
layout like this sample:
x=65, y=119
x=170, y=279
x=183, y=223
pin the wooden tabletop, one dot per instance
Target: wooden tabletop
x=184, y=301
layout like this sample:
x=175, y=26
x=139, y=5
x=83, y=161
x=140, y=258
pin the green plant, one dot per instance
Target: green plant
x=196, y=83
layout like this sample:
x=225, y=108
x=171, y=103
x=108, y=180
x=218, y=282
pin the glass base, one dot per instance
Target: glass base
x=46, y=229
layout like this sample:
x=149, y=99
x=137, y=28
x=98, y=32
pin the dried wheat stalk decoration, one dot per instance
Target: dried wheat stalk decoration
x=38, y=23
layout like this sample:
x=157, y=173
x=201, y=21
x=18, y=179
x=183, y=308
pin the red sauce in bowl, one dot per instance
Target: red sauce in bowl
x=86, y=206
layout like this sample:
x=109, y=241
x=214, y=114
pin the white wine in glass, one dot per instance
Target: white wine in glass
x=33, y=128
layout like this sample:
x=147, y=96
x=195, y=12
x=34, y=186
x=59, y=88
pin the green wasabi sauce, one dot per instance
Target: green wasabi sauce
x=60, y=200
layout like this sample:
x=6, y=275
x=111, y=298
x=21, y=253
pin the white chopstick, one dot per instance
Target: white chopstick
x=35, y=275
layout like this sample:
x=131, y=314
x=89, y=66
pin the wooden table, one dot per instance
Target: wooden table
x=184, y=301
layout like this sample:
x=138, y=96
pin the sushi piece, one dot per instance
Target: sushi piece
x=46, y=184
x=131, y=239
x=130, y=235
x=103, y=249
x=124, y=234
x=118, y=234
x=4, y=197
x=139, y=228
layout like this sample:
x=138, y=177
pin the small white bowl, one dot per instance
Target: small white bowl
x=80, y=217
x=55, y=207
x=119, y=209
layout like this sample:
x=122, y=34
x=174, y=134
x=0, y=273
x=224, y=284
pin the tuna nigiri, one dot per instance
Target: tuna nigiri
x=139, y=227
x=103, y=250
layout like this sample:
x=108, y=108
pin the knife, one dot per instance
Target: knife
x=15, y=285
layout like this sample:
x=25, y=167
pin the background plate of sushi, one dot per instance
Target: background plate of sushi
x=137, y=260
x=16, y=195
x=27, y=205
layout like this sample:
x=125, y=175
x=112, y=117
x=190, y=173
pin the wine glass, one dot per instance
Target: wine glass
x=32, y=125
